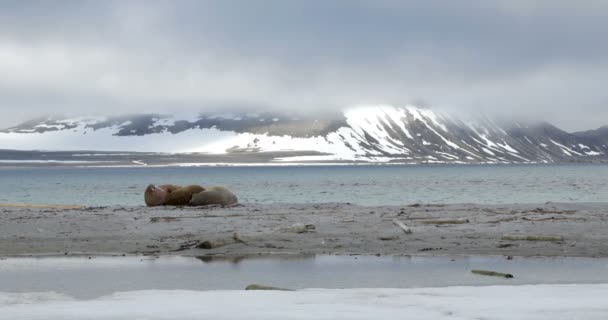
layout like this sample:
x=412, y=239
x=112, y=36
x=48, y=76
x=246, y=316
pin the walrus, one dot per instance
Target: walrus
x=156, y=196
x=170, y=195
x=213, y=195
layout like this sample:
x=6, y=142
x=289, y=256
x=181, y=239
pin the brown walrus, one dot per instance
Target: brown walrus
x=214, y=195
x=170, y=195
x=156, y=196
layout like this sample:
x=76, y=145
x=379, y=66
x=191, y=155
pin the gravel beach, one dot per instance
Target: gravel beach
x=551, y=229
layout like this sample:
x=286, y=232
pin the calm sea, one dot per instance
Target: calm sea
x=365, y=185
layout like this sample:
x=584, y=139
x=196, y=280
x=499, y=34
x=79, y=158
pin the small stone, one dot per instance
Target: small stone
x=301, y=228
x=298, y=228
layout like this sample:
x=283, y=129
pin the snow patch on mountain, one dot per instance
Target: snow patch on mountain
x=380, y=133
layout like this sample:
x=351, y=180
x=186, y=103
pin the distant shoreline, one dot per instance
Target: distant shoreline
x=117, y=164
x=93, y=159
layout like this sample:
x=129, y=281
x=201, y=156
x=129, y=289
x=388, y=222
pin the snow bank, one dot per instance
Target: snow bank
x=495, y=302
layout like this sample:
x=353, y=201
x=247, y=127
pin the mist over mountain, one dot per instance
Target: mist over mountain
x=369, y=133
x=536, y=59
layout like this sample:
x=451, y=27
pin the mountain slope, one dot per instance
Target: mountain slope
x=376, y=133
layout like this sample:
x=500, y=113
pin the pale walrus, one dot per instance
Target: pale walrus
x=214, y=195
x=170, y=195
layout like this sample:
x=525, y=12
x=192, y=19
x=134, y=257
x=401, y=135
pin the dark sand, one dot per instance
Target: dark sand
x=333, y=229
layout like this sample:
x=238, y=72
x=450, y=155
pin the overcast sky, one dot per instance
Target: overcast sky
x=533, y=59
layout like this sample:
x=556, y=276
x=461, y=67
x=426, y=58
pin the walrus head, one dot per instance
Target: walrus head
x=155, y=196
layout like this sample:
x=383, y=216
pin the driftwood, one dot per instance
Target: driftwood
x=505, y=245
x=532, y=238
x=445, y=221
x=216, y=244
x=429, y=249
x=492, y=273
x=403, y=227
x=187, y=245
x=388, y=237
x=261, y=287
x=164, y=219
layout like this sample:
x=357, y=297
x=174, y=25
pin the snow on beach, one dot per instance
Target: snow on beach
x=493, y=302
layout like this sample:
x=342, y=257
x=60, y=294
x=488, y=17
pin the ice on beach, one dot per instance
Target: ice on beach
x=494, y=302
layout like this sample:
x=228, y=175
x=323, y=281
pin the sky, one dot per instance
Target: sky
x=545, y=60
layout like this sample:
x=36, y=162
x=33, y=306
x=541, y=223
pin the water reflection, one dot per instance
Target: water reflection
x=82, y=277
x=239, y=258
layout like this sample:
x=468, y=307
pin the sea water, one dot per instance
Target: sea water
x=363, y=184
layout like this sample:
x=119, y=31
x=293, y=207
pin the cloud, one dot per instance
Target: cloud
x=542, y=59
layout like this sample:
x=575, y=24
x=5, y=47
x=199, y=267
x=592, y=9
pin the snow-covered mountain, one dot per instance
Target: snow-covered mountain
x=374, y=133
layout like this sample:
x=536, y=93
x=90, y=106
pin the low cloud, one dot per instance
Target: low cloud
x=541, y=60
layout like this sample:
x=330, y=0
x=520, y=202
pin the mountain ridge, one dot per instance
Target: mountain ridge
x=380, y=133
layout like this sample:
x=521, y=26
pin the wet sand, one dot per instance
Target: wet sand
x=333, y=228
